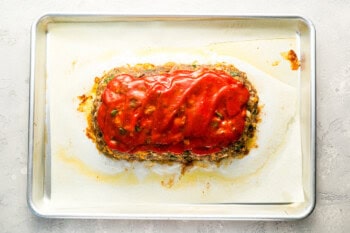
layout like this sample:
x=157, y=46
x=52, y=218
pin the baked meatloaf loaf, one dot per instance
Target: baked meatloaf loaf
x=174, y=113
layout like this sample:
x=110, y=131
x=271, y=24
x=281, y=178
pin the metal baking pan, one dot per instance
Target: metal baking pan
x=248, y=34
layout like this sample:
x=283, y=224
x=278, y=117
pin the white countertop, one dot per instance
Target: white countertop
x=332, y=23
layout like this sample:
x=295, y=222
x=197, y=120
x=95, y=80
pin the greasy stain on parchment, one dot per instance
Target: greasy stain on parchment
x=168, y=181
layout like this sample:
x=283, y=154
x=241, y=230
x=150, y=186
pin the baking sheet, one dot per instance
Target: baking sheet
x=78, y=52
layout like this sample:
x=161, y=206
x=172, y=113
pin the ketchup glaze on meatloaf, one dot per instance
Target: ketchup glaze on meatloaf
x=174, y=112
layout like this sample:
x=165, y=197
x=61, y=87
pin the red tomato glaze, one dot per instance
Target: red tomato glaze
x=201, y=111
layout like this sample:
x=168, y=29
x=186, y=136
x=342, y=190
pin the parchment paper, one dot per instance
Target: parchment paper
x=80, y=176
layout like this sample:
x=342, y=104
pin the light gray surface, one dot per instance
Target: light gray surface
x=332, y=22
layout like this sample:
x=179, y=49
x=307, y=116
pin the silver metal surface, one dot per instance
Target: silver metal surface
x=38, y=189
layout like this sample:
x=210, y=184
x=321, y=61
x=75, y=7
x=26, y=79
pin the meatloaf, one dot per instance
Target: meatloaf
x=174, y=113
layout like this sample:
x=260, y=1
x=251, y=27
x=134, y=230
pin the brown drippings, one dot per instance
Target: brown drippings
x=90, y=134
x=97, y=80
x=168, y=183
x=275, y=63
x=207, y=186
x=83, y=102
x=292, y=57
